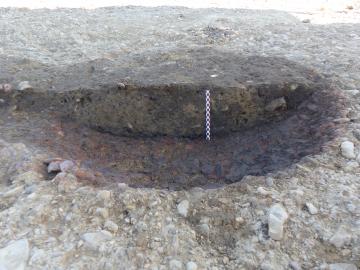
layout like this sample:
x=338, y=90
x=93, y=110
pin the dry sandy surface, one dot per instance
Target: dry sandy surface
x=58, y=211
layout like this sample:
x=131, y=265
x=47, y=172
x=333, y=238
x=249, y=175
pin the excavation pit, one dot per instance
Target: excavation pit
x=267, y=114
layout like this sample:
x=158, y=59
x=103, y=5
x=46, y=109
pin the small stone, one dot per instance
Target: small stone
x=294, y=265
x=269, y=181
x=191, y=266
x=276, y=219
x=121, y=85
x=54, y=167
x=204, y=229
x=311, y=208
x=25, y=85
x=67, y=166
x=306, y=21
x=342, y=266
x=122, y=186
x=347, y=150
x=350, y=166
x=356, y=134
x=341, y=237
x=13, y=192
x=175, y=265
x=183, y=208
x=239, y=220
x=353, y=92
x=276, y=104
x=263, y=191
x=66, y=182
x=7, y=87
x=104, y=195
x=102, y=212
x=111, y=226
x=15, y=255
x=93, y=240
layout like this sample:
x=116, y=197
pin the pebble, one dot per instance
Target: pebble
x=15, y=255
x=93, y=240
x=191, y=266
x=175, y=265
x=311, y=208
x=54, y=167
x=13, y=192
x=102, y=212
x=104, y=195
x=204, y=229
x=183, y=208
x=276, y=218
x=294, y=265
x=67, y=166
x=351, y=166
x=7, y=87
x=111, y=226
x=263, y=191
x=269, y=181
x=356, y=134
x=306, y=21
x=342, y=266
x=66, y=182
x=276, y=104
x=347, y=150
x=24, y=85
x=341, y=237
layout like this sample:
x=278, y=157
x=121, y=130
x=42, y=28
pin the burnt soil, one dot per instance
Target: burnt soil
x=174, y=163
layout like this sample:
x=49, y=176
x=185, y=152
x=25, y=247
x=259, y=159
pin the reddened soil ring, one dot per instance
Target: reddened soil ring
x=267, y=114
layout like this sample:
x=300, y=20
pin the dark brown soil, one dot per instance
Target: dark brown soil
x=177, y=163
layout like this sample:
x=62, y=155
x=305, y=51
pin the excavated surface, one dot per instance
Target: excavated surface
x=175, y=163
x=297, y=207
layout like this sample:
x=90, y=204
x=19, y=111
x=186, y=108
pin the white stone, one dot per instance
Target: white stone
x=276, y=218
x=269, y=181
x=14, y=192
x=93, y=240
x=341, y=237
x=102, y=212
x=175, y=265
x=54, y=167
x=342, y=266
x=263, y=191
x=25, y=85
x=191, y=266
x=104, y=195
x=111, y=226
x=15, y=255
x=183, y=208
x=348, y=149
x=67, y=166
x=294, y=265
x=311, y=208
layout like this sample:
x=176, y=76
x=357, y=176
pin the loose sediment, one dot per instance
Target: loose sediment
x=168, y=99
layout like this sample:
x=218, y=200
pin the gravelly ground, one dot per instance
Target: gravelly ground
x=304, y=216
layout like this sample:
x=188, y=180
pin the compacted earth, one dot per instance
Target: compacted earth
x=103, y=161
